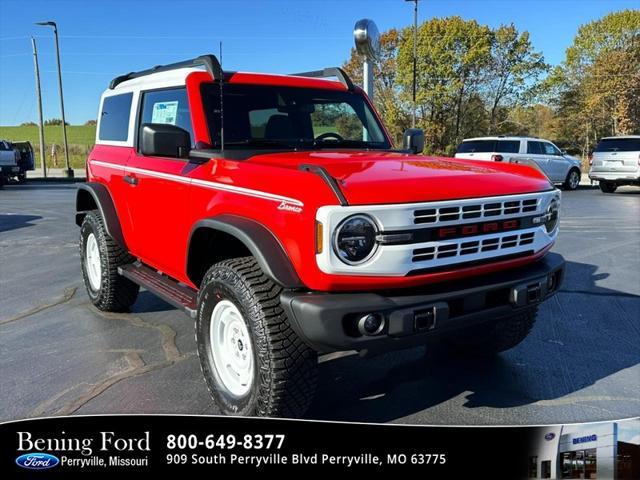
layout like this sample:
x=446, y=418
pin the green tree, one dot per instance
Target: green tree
x=514, y=68
x=452, y=54
x=595, y=91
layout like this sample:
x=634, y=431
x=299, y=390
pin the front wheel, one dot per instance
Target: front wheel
x=252, y=360
x=494, y=338
x=608, y=187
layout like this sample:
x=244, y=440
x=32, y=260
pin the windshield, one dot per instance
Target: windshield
x=272, y=117
x=618, y=145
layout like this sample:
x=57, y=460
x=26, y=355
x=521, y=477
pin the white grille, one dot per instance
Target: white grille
x=476, y=210
x=469, y=247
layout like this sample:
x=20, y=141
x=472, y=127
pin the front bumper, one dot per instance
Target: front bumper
x=327, y=321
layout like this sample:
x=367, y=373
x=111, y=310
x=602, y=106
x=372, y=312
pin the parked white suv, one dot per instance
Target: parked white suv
x=556, y=164
x=615, y=162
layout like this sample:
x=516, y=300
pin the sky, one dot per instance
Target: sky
x=101, y=39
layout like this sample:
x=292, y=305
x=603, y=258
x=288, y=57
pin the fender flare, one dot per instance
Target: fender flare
x=104, y=203
x=260, y=241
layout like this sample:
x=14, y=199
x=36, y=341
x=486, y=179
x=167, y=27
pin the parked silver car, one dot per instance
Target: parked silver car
x=542, y=154
x=615, y=162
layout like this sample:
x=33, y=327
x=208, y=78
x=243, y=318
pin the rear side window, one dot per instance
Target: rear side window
x=619, y=145
x=114, y=118
x=477, y=146
x=535, y=148
x=508, y=146
x=168, y=106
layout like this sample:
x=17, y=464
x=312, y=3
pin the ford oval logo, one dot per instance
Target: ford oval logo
x=37, y=461
x=550, y=436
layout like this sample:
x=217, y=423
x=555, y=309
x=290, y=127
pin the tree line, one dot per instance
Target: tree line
x=473, y=80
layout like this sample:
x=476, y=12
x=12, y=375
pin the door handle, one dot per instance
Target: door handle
x=131, y=180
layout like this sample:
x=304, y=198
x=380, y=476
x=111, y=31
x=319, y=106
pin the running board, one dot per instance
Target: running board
x=178, y=295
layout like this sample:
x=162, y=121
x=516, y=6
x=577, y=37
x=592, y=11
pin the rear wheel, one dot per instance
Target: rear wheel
x=101, y=256
x=251, y=359
x=608, y=187
x=573, y=179
x=502, y=335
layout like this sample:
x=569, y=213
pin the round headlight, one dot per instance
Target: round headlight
x=354, y=241
x=552, y=216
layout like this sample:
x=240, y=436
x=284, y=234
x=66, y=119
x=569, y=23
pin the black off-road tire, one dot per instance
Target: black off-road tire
x=490, y=339
x=285, y=368
x=116, y=293
x=608, y=187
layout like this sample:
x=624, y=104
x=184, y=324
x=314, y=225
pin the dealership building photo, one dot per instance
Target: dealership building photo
x=604, y=450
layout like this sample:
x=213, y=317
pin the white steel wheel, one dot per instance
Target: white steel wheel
x=92, y=262
x=231, y=348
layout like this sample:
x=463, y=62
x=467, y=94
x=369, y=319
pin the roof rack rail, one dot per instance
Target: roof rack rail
x=337, y=72
x=210, y=62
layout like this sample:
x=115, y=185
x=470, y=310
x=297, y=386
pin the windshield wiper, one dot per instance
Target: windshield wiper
x=261, y=142
x=346, y=143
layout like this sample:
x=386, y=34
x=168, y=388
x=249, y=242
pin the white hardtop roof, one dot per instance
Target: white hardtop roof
x=157, y=80
x=172, y=78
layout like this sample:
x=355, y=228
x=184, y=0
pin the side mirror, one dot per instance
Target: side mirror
x=164, y=140
x=413, y=140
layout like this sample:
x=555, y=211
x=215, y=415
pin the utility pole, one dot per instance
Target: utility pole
x=415, y=58
x=69, y=171
x=39, y=96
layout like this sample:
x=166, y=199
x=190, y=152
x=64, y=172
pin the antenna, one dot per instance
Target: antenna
x=221, y=103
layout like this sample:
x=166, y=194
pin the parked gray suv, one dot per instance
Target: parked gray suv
x=615, y=162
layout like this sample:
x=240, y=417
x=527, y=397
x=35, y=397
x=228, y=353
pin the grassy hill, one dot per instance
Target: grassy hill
x=80, y=137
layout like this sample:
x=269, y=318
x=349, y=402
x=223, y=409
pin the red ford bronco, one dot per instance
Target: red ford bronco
x=276, y=212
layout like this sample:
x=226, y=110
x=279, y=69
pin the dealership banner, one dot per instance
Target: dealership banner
x=108, y=445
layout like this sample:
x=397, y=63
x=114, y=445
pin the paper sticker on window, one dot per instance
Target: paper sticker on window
x=164, y=112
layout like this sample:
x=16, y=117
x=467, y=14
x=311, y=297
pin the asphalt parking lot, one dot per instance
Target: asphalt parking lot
x=59, y=355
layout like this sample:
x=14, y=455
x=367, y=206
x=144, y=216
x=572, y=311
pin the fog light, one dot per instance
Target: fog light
x=371, y=324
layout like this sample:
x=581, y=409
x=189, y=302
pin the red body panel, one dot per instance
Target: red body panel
x=172, y=195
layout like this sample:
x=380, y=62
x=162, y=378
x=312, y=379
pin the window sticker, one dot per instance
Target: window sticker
x=165, y=112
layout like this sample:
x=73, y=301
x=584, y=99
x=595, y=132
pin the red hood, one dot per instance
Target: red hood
x=387, y=177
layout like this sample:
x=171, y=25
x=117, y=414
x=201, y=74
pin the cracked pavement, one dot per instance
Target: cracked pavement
x=61, y=356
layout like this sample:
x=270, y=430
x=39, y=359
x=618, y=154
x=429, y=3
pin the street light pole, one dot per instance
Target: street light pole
x=40, y=119
x=69, y=171
x=415, y=57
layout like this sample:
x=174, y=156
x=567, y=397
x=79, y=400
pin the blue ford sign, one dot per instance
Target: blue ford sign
x=37, y=461
x=550, y=436
x=585, y=439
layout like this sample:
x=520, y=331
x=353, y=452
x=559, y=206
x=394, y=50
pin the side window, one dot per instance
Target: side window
x=114, y=118
x=550, y=149
x=508, y=146
x=534, y=148
x=167, y=106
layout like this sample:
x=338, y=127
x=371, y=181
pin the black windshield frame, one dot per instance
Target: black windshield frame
x=238, y=133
